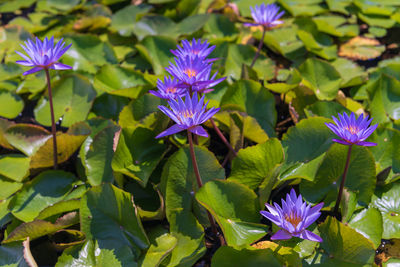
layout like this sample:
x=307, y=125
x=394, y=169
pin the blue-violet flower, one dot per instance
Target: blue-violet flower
x=266, y=15
x=193, y=73
x=168, y=89
x=43, y=55
x=293, y=218
x=352, y=131
x=193, y=49
x=188, y=115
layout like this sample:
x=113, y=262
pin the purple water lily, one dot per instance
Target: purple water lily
x=43, y=55
x=266, y=15
x=188, y=115
x=352, y=131
x=193, y=73
x=293, y=218
x=193, y=49
x=169, y=89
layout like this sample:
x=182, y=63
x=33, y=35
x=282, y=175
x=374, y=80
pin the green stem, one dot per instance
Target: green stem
x=53, y=123
x=339, y=197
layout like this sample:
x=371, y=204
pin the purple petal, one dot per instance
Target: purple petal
x=310, y=236
x=171, y=130
x=199, y=131
x=60, y=66
x=33, y=70
x=281, y=235
x=271, y=217
x=364, y=143
x=24, y=63
x=341, y=142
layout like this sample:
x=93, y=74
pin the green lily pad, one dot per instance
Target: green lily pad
x=12, y=104
x=124, y=19
x=47, y=188
x=178, y=182
x=12, y=255
x=73, y=97
x=351, y=247
x=109, y=216
x=14, y=166
x=321, y=77
x=360, y=177
x=250, y=97
x=97, y=152
x=92, y=254
x=138, y=153
x=235, y=208
x=39, y=228
x=121, y=81
x=390, y=210
x=384, y=96
x=368, y=222
x=158, y=251
x=88, y=52
x=227, y=256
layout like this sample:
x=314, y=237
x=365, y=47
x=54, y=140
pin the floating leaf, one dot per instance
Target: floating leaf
x=360, y=177
x=138, y=153
x=321, y=77
x=252, y=98
x=351, y=247
x=14, y=167
x=235, y=208
x=390, y=210
x=108, y=215
x=91, y=254
x=159, y=250
x=39, y=228
x=368, y=222
x=27, y=138
x=361, y=48
x=67, y=144
x=73, y=97
x=97, y=152
x=47, y=188
x=121, y=81
x=227, y=256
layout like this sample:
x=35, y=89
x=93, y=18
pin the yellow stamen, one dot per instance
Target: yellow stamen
x=190, y=73
x=293, y=219
x=352, y=130
x=171, y=90
x=188, y=114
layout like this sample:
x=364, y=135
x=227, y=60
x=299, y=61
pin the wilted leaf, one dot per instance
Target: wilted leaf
x=361, y=48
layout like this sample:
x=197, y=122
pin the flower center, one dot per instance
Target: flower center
x=171, y=90
x=293, y=219
x=188, y=114
x=352, y=129
x=196, y=52
x=191, y=73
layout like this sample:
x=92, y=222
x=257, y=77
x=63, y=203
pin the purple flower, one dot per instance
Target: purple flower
x=294, y=217
x=43, y=55
x=168, y=89
x=193, y=49
x=193, y=73
x=352, y=131
x=188, y=115
x=266, y=16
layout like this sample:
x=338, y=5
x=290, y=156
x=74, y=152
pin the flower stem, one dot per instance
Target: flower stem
x=200, y=184
x=219, y=133
x=53, y=124
x=339, y=197
x=259, y=48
